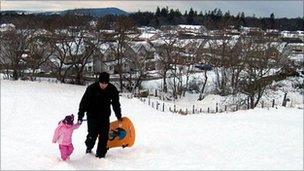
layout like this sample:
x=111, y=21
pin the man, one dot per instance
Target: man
x=96, y=103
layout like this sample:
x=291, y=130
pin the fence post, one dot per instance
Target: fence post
x=152, y=104
x=208, y=110
x=174, y=108
x=273, y=102
x=216, y=108
x=193, y=109
x=163, y=107
x=200, y=110
x=155, y=92
x=186, y=111
x=149, y=101
x=225, y=108
x=284, y=100
x=262, y=104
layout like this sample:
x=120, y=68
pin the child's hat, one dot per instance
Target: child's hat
x=69, y=119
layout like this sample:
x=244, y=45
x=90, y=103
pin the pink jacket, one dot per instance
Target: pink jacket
x=63, y=133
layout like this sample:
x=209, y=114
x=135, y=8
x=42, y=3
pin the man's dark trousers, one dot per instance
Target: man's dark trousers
x=100, y=129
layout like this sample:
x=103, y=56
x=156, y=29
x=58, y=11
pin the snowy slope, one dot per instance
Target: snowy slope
x=253, y=139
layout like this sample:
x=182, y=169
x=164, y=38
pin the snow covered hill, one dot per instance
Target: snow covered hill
x=254, y=139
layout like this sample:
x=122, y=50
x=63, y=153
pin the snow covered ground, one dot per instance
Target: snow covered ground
x=254, y=139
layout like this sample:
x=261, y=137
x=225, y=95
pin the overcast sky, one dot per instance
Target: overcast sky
x=281, y=8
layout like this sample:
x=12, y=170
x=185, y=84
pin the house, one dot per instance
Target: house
x=132, y=53
x=296, y=48
x=272, y=33
x=192, y=28
x=295, y=45
x=251, y=31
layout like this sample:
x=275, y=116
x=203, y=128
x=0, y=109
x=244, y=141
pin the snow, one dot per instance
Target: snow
x=7, y=26
x=266, y=139
x=193, y=28
x=146, y=35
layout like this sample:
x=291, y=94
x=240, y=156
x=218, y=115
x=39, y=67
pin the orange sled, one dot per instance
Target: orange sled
x=121, y=134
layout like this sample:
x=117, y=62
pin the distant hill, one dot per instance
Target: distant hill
x=95, y=12
x=15, y=12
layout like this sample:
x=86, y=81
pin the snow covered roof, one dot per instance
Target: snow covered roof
x=146, y=28
x=146, y=35
x=143, y=44
x=278, y=45
x=231, y=42
x=6, y=27
x=76, y=48
x=296, y=44
x=108, y=31
x=104, y=47
x=192, y=27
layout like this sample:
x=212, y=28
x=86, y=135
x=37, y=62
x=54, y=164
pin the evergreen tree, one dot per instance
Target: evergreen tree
x=190, y=17
x=272, y=21
x=177, y=13
x=157, y=12
x=186, y=13
x=171, y=16
x=201, y=14
x=242, y=19
x=164, y=12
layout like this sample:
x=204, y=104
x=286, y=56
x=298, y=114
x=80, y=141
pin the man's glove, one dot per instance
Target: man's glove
x=79, y=120
x=120, y=119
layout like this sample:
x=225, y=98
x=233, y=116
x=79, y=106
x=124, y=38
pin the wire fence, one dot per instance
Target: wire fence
x=214, y=108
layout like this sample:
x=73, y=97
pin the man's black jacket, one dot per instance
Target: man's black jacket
x=96, y=102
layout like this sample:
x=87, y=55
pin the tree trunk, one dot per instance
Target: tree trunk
x=203, y=88
x=15, y=74
x=251, y=97
x=32, y=75
x=165, y=89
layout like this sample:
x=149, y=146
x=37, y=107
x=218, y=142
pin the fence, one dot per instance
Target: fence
x=212, y=109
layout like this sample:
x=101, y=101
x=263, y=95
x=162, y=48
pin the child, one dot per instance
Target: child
x=63, y=135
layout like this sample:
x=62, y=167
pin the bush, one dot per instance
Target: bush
x=143, y=93
x=194, y=86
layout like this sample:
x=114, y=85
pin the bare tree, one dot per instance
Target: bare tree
x=81, y=51
x=164, y=63
x=5, y=61
x=59, y=58
x=264, y=63
x=39, y=51
x=125, y=32
x=165, y=55
x=139, y=63
x=222, y=55
x=195, y=50
x=179, y=60
x=14, y=45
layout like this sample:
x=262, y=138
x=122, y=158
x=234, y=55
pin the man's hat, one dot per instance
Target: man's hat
x=104, y=77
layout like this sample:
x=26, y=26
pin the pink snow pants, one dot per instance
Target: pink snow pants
x=66, y=151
